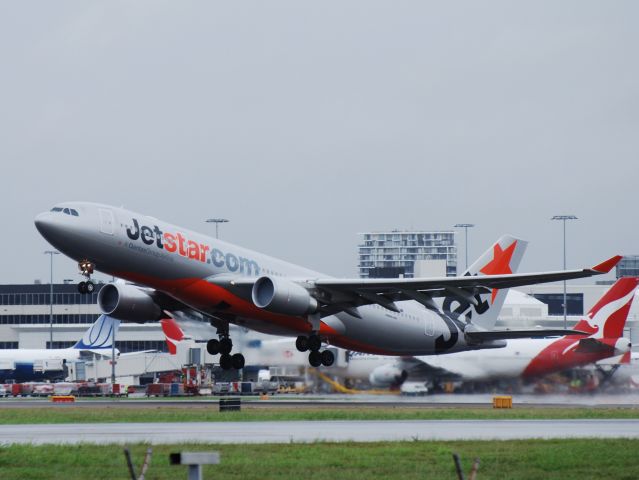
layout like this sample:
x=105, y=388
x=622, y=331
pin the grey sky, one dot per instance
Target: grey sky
x=305, y=123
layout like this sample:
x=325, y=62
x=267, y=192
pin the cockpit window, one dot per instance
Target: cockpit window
x=67, y=211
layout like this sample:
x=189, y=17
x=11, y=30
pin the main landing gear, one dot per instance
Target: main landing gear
x=223, y=346
x=314, y=343
x=86, y=269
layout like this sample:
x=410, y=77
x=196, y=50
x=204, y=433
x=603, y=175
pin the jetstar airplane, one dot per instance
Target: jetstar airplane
x=178, y=270
x=521, y=358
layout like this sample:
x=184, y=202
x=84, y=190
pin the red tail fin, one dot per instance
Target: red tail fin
x=607, y=318
x=173, y=334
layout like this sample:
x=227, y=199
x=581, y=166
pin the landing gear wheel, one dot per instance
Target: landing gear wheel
x=328, y=358
x=226, y=362
x=226, y=345
x=89, y=287
x=237, y=361
x=315, y=359
x=301, y=343
x=314, y=343
x=213, y=346
x=82, y=287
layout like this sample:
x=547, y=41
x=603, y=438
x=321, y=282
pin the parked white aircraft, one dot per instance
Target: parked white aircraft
x=223, y=283
x=18, y=363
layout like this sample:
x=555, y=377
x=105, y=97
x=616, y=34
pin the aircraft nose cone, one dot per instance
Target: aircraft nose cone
x=49, y=227
x=43, y=222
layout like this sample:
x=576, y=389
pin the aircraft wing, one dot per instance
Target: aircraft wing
x=390, y=285
x=336, y=295
x=482, y=336
x=419, y=367
x=385, y=291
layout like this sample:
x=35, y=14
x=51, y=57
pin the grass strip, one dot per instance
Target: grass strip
x=209, y=413
x=525, y=459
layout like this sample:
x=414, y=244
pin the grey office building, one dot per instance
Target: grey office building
x=397, y=253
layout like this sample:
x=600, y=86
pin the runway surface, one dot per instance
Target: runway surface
x=305, y=431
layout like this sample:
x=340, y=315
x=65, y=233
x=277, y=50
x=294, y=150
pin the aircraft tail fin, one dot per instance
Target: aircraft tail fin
x=100, y=335
x=503, y=257
x=173, y=334
x=607, y=318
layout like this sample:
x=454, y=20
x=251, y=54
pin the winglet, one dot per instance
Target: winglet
x=605, y=267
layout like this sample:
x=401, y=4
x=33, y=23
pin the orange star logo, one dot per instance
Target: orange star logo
x=500, y=264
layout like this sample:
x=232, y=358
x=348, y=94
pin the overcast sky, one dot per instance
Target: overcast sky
x=305, y=123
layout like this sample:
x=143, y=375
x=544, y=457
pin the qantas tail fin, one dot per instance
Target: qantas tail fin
x=503, y=257
x=607, y=319
x=173, y=334
x=100, y=335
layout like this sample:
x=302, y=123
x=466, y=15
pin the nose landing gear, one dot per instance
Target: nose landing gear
x=86, y=269
x=314, y=343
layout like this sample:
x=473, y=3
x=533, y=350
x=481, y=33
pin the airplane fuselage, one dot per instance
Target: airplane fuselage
x=182, y=263
x=520, y=358
x=18, y=364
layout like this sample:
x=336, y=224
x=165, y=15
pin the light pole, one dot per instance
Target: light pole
x=113, y=360
x=564, y=218
x=51, y=253
x=465, y=226
x=217, y=222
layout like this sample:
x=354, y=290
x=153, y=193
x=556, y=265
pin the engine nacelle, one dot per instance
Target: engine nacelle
x=128, y=303
x=387, y=375
x=282, y=296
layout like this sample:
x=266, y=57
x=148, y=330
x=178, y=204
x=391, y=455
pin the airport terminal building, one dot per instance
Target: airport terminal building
x=25, y=320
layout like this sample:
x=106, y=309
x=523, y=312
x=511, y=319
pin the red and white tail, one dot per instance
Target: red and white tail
x=173, y=334
x=607, y=318
x=503, y=257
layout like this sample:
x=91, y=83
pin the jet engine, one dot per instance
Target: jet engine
x=128, y=303
x=387, y=375
x=282, y=296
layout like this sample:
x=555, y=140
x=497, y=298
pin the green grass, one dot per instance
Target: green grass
x=532, y=459
x=210, y=413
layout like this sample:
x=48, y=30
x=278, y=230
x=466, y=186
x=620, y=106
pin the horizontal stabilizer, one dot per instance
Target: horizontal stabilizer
x=592, y=345
x=482, y=336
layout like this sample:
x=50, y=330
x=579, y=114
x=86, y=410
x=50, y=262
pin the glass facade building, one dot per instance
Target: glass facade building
x=394, y=253
x=628, y=266
x=555, y=302
x=25, y=316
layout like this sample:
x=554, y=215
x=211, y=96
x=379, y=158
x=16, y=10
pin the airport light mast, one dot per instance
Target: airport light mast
x=113, y=362
x=51, y=253
x=564, y=218
x=465, y=226
x=217, y=222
